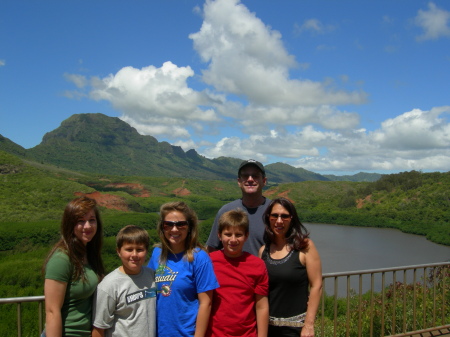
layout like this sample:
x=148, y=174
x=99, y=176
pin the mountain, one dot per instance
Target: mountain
x=281, y=173
x=9, y=146
x=96, y=143
x=361, y=176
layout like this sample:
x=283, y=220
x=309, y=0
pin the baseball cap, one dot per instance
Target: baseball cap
x=252, y=162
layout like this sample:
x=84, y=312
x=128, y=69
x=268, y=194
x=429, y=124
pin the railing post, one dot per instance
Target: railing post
x=404, y=301
x=371, y=303
x=335, y=305
x=19, y=320
x=41, y=317
x=414, y=298
x=383, y=292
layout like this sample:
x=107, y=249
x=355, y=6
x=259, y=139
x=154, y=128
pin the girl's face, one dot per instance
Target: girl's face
x=280, y=220
x=175, y=227
x=86, y=227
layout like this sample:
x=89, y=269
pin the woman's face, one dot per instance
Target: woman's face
x=280, y=220
x=175, y=227
x=86, y=227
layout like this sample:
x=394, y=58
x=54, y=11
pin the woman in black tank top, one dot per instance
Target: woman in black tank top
x=295, y=272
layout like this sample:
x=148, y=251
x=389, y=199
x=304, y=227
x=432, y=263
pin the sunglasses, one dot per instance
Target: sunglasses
x=284, y=217
x=178, y=224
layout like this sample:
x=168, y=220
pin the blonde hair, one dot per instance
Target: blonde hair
x=236, y=218
x=191, y=242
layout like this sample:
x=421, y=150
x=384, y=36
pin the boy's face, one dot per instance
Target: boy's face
x=233, y=239
x=133, y=257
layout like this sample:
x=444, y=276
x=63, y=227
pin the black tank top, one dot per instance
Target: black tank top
x=288, y=285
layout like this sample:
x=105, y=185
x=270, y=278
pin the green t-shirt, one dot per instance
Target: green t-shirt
x=76, y=311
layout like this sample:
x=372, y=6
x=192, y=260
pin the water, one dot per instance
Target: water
x=346, y=248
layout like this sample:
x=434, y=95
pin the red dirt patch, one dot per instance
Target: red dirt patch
x=271, y=192
x=142, y=192
x=106, y=200
x=276, y=194
x=181, y=192
x=360, y=202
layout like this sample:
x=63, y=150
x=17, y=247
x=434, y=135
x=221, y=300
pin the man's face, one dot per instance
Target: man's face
x=251, y=180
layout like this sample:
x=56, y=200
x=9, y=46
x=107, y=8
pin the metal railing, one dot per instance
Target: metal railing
x=384, y=306
x=19, y=300
x=381, y=306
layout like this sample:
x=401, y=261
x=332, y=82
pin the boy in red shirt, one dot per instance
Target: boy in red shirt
x=240, y=306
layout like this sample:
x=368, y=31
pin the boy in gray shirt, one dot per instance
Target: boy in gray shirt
x=124, y=303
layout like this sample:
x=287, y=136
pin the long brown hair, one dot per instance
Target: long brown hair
x=191, y=242
x=73, y=247
x=296, y=236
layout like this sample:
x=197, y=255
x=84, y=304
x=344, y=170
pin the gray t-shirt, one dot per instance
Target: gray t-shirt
x=256, y=230
x=124, y=305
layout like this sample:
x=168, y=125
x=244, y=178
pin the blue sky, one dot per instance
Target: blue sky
x=331, y=86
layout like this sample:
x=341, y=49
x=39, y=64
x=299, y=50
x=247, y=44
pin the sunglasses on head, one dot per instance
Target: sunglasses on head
x=275, y=216
x=178, y=224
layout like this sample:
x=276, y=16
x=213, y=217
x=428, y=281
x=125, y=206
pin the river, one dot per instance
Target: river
x=347, y=248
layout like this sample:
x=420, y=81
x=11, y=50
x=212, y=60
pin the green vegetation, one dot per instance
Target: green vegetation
x=381, y=314
x=33, y=196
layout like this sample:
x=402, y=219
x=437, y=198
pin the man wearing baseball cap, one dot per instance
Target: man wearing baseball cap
x=251, y=179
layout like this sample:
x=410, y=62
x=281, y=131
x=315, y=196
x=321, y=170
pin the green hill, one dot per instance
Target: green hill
x=413, y=202
x=95, y=143
x=33, y=195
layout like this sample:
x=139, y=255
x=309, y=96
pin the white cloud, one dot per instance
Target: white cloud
x=415, y=130
x=314, y=26
x=415, y=140
x=80, y=81
x=248, y=59
x=2, y=63
x=259, y=110
x=434, y=22
x=156, y=101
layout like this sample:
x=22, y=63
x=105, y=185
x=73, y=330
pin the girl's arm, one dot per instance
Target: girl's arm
x=204, y=310
x=262, y=314
x=97, y=332
x=54, y=292
x=314, y=271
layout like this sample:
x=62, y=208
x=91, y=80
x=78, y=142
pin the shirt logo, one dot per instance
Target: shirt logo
x=140, y=295
x=164, y=277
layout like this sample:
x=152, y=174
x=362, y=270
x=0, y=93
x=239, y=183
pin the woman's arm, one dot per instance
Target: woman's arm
x=204, y=310
x=314, y=270
x=54, y=292
x=261, y=251
x=262, y=314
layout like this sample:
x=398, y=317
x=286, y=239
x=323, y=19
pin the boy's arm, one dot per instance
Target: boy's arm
x=102, y=312
x=204, y=310
x=262, y=314
x=97, y=332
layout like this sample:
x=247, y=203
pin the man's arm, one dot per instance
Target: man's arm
x=213, y=243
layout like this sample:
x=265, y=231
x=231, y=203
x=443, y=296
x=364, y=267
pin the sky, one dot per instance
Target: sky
x=334, y=87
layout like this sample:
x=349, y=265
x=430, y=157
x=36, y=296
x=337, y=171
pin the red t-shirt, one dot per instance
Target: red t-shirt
x=233, y=305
